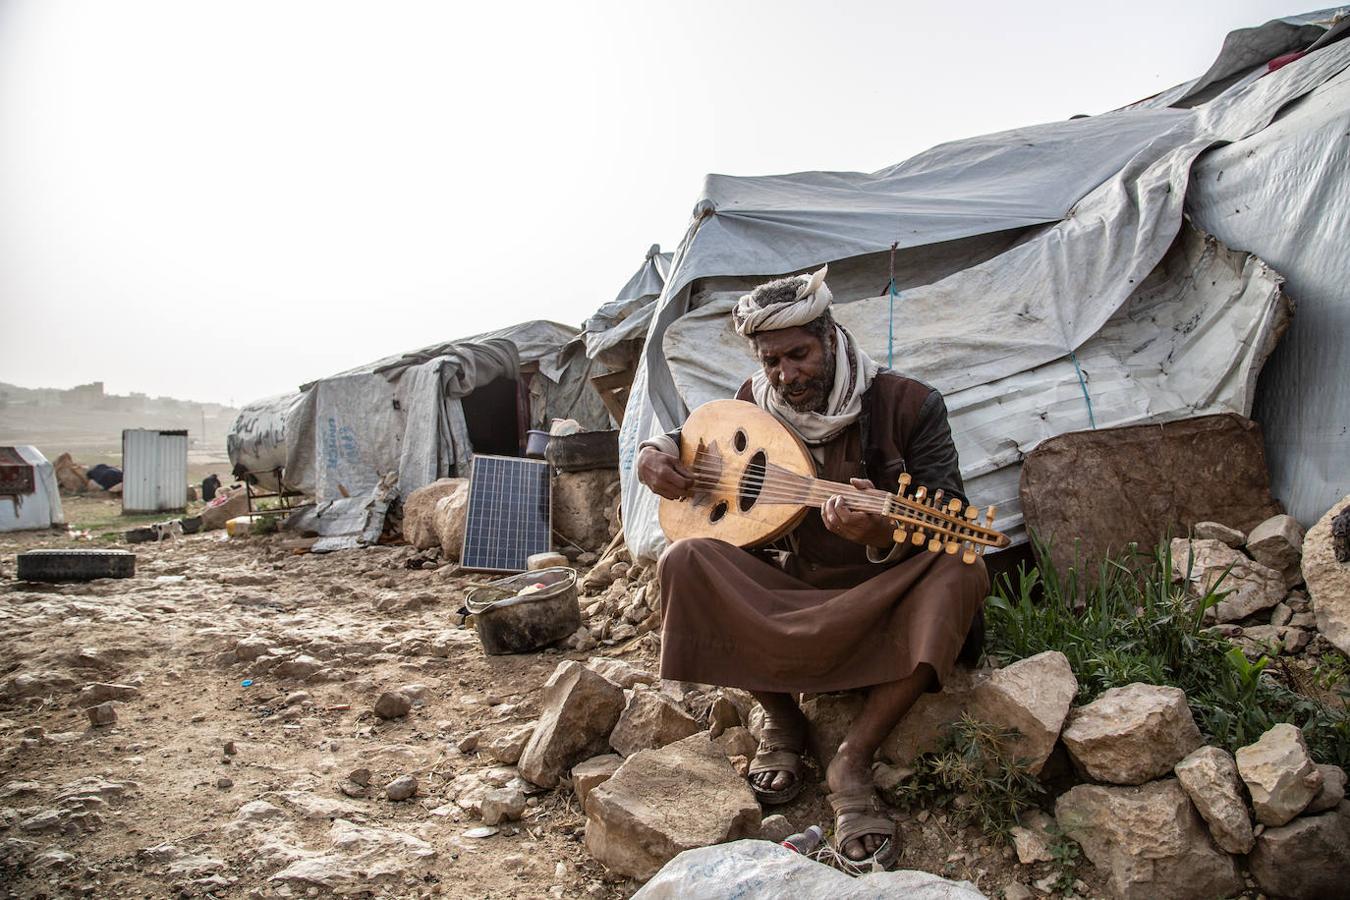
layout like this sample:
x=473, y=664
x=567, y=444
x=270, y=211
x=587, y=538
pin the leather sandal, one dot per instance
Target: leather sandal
x=776, y=753
x=861, y=805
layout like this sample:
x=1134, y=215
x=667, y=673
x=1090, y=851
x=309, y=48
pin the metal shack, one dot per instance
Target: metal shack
x=154, y=470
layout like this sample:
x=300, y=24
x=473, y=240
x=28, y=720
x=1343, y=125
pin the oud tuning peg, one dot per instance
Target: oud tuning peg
x=952, y=547
x=917, y=538
x=989, y=515
x=969, y=556
x=935, y=545
x=937, y=497
x=900, y=536
x=954, y=505
x=972, y=513
x=920, y=492
x=904, y=482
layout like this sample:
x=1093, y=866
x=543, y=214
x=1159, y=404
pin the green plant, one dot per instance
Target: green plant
x=1065, y=853
x=976, y=774
x=1133, y=623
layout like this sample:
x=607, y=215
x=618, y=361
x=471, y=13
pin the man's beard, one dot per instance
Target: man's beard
x=817, y=392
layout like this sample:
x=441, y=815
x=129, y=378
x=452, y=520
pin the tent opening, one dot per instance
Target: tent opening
x=492, y=413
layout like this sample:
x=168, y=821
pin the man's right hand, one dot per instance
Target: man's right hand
x=664, y=474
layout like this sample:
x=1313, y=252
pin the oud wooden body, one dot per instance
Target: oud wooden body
x=755, y=481
x=712, y=430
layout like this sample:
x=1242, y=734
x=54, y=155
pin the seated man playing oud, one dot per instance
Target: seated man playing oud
x=846, y=607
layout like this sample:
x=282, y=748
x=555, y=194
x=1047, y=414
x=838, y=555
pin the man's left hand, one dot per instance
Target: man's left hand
x=859, y=527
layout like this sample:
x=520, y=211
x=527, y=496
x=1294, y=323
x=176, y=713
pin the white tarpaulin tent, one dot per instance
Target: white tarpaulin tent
x=405, y=416
x=628, y=316
x=1022, y=260
x=38, y=508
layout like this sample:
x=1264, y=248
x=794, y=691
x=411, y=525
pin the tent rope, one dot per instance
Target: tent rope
x=890, y=331
x=1082, y=383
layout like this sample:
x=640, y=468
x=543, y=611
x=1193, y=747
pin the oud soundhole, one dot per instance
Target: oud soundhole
x=740, y=441
x=718, y=511
x=752, y=481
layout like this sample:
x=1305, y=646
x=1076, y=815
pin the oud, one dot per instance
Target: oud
x=754, y=481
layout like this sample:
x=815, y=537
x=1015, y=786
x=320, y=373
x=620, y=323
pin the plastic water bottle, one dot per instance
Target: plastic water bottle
x=806, y=841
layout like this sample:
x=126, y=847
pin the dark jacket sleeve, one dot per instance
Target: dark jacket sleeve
x=931, y=458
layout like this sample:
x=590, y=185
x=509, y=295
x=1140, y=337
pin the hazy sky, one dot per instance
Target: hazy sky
x=219, y=201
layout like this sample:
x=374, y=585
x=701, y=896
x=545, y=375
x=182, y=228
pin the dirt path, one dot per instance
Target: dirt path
x=206, y=787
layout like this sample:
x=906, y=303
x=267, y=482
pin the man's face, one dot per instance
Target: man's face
x=800, y=368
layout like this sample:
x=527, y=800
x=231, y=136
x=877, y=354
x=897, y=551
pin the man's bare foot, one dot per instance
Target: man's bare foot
x=849, y=771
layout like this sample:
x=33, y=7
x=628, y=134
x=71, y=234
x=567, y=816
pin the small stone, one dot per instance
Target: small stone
x=776, y=828
x=295, y=698
x=502, y=805
x=229, y=749
x=1280, y=614
x=393, y=705
x=1214, y=531
x=1210, y=778
x=1333, y=789
x=1278, y=543
x=624, y=674
x=722, y=715
x=401, y=788
x=1032, y=837
x=224, y=782
x=592, y=773
x=359, y=776
x=506, y=748
x=650, y=719
x=103, y=714
x=469, y=743
x=890, y=778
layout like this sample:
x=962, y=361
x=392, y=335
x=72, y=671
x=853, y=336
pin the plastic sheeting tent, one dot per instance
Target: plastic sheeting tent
x=627, y=317
x=38, y=508
x=1023, y=259
x=409, y=418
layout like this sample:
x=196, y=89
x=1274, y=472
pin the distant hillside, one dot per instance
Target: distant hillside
x=87, y=423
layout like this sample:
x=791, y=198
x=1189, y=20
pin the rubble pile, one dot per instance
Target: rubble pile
x=1269, y=606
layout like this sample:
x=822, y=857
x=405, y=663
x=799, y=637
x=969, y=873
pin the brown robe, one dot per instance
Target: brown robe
x=824, y=618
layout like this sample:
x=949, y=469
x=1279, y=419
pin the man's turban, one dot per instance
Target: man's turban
x=812, y=299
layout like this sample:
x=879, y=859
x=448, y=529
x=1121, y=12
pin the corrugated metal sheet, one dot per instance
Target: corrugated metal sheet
x=154, y=470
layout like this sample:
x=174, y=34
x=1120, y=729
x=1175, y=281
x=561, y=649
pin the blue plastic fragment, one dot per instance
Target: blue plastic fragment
x=246, y=682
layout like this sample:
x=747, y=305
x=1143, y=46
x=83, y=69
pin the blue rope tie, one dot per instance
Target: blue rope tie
x=890, y=334
x=1082, y=383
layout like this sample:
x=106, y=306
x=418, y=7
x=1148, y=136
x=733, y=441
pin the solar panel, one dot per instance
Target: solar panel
x=510, y=513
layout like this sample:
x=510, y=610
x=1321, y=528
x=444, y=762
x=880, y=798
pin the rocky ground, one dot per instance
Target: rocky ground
x=209, y=728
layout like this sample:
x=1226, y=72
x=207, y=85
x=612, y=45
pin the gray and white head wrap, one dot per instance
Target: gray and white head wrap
x=813, y=298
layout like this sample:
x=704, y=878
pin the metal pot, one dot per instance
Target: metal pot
x=508, y=622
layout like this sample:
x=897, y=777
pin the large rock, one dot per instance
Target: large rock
x=419, y=508
x=1308, y=859
x=1278, y=543
x=1150, y=841
x=1131, y=734
x=448, y=519
x=924, y=727
x=664, y=801
x=830, y=716
x=1033, y=696
x=1328, y=579
x=1279, y=774
x=579, y=503
x=1092, y=493
x=228, y=504
x=650, y=719
x=1210, y=778
x=1213, y=565
x=579, y=709
x=1217, y=531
